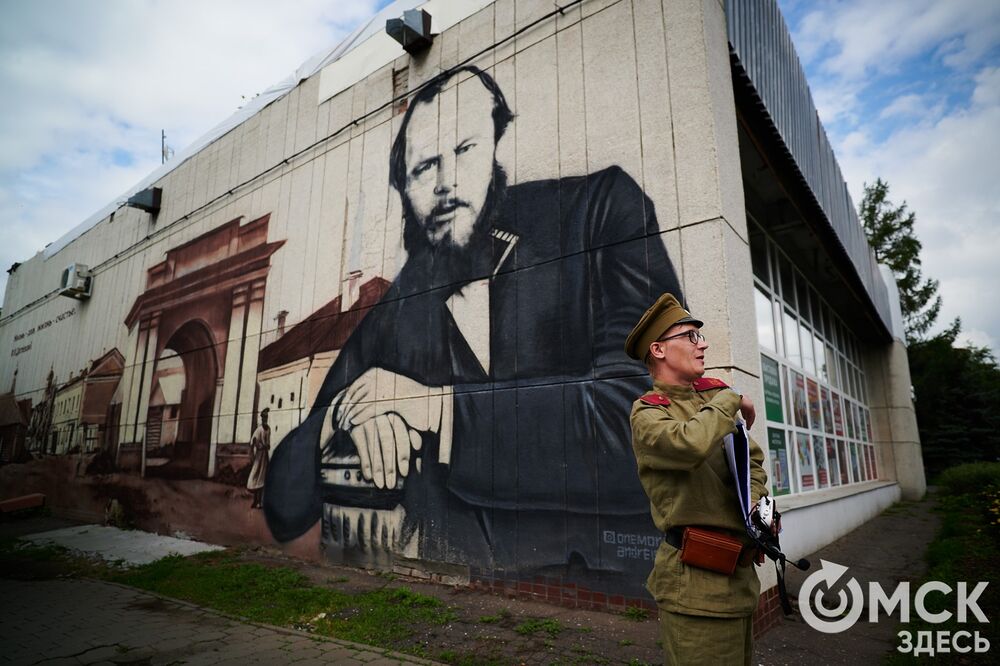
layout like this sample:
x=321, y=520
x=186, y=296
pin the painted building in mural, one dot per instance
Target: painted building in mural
x=423, y=267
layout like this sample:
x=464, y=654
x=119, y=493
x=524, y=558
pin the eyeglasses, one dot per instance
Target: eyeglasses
x=694, y=336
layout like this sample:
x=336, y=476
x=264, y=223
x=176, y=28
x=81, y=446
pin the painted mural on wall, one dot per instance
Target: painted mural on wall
x=478, y=414
x=471, y=409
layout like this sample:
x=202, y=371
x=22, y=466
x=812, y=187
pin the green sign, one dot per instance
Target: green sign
x=772, y=389
x=779, y=473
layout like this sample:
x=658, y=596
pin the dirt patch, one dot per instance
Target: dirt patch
x=489, y=629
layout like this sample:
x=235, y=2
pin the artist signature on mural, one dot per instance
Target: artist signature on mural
x=633, y=546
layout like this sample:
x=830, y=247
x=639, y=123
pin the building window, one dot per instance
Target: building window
x=815, y=400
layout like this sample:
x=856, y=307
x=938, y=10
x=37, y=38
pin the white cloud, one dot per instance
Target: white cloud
x=910, y=92
x=976, y=338
x=913, y=106
x=867, y=36
x=947, y=172
x=89, y=87
x=837, y=101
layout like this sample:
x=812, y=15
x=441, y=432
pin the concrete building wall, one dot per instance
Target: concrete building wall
x=623, y=170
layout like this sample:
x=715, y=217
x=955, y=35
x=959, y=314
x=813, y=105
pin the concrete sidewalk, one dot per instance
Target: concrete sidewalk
x=78, y=621
x=888, y=549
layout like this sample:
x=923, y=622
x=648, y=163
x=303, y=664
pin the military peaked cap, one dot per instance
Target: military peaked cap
x=660, y=316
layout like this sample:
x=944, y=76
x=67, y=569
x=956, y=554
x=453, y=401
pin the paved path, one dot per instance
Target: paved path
x=130, y=547
x=889, y=548
x=74, y=621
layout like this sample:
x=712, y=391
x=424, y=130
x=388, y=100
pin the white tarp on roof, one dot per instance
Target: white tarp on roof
x=375, y=49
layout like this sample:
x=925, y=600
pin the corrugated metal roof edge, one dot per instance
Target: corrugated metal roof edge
x=739, y=14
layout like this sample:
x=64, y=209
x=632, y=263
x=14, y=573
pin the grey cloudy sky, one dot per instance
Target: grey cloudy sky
x=909, y=90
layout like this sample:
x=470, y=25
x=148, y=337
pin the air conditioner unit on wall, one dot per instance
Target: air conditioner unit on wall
x=76, y=282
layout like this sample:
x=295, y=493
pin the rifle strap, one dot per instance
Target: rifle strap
x=779, y=569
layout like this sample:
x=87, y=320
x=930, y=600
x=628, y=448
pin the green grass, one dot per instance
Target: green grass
x=27, y=560
x=636, y=613
x=966, y=548
x=535, y=625
x=281, y=596
x=501, y=616
x=968, y=478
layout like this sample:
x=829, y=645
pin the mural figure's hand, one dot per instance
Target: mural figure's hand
x=379, y=391
x=384, y=444
x=356, y=403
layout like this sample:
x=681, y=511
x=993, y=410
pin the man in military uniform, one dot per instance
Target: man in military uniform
x=677, y=436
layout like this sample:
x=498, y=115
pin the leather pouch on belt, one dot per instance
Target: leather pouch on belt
x=710, y=550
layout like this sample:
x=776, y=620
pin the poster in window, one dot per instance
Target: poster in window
x=814, y=407
x=838, y=415
x=822, y=477
x=772, y=389
x=855, y=467
x=799, y=400
x=852, y=430
x=833, y=461
x=780, y=473
x=827, y=410
x=868, y=424
x=844, y=473
x=803, y=452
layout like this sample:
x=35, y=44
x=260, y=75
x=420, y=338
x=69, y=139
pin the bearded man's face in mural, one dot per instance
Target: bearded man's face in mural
x=448, y=172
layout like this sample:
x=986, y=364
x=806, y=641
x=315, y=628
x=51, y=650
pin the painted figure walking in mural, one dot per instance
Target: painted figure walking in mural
x=260, y=451
x=677, y=433
x=486, y=392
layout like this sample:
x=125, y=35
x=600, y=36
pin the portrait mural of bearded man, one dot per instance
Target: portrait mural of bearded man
x=484, y=400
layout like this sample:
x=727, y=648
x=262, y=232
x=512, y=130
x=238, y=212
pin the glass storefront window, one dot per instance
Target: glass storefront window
x=787, y=281
x=808, y=357
x=827, y=410
x=831, y=359
x=819, y=429
x=765, y=323
x=803, y=295
x=792, y=352
x=758, y=256
x=833, y=461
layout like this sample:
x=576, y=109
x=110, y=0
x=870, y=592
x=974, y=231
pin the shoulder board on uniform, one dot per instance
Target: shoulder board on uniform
x=706, y=383
x=653, y=398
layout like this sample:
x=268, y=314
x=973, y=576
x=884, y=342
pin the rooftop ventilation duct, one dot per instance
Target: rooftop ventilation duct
x=413, y=31
x=147, y=200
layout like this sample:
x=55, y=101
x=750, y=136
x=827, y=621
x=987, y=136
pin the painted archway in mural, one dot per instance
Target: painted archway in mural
x=207, y=294
x=180, y=414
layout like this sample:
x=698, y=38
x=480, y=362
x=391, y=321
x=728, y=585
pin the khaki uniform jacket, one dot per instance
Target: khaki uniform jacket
x=682, y=467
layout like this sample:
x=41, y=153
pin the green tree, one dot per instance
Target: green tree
x=956, y=389
x=957, y=400
x=890, y=233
